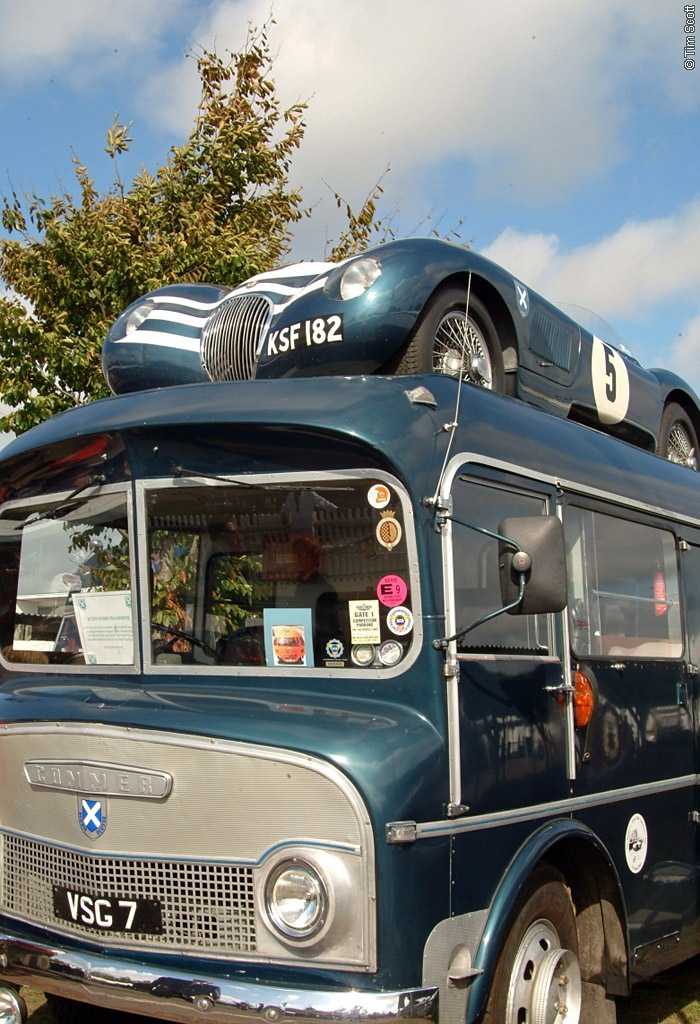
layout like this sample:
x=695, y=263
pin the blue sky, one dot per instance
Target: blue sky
x=564, y=137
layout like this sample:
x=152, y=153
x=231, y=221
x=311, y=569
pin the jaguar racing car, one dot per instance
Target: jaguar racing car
x=409, y=306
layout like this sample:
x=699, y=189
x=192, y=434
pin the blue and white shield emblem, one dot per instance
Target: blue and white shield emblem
x=523, y=298
x=92, y=815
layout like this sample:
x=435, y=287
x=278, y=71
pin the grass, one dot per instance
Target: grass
x=670, y=998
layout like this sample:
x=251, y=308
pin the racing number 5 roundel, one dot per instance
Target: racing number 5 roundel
x=611, y=383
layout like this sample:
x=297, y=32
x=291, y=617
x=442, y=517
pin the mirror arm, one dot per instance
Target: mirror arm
x=441, y=644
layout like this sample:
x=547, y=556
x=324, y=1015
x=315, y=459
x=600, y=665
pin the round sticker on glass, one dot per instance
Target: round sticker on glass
x=390, y=653
x=636, y=843
x=400, y=621
x=362, y=654
x=379, y=496
x=392, y=590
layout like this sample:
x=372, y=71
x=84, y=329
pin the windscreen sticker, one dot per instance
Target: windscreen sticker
x=335, y=650
x=322, y=330
x=379, y=496
x=390, y=653
x=389, y=531
x=288, y=637
x=636, y=843
x=362, y=655
x=400, y=621
x=364, y=622
x=392, y=590
x=611, y=383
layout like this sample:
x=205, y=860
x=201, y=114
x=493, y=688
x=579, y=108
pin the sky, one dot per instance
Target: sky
x=561, y=139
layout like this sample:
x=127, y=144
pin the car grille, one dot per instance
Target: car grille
x=553, y=342
x=206, y=908
x=232, y=335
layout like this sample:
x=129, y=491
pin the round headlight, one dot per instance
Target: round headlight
x=136, y=317
x=358, y=276
x=297, y=901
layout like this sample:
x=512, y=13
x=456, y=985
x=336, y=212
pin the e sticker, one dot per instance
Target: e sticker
x=392, y=590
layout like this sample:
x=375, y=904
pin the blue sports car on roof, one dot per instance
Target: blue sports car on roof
x=408, y=306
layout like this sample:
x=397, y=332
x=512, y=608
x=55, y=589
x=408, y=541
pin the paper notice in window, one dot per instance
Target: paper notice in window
x=106, y=628
x=364, y=622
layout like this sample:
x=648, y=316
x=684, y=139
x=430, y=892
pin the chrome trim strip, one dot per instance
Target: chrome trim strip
x=538, y=659
x=244, y=862
x=430, y=829
x=176, y=996
x=568, y=683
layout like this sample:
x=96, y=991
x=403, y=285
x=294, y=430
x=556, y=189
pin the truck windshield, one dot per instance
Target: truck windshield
x=66, y=585
x=278, y=576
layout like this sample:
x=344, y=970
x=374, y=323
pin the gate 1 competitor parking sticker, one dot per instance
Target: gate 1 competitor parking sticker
x=611, y=383
x=636, y=843
x=364, y=622
x=379, y=496
x=391, y=590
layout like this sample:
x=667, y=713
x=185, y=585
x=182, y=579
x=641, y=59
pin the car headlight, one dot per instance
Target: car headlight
x=136, y=317
x=296, y=899
x=131, y=319
x=358, y=276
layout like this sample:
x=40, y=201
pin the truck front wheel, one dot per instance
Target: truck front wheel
x=538, y=977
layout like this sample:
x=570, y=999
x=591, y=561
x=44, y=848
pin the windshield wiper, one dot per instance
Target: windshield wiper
x=184, y=635
x=181, y=471
x=67, y=505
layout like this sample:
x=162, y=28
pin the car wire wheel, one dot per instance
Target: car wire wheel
x=678, y=441
x=680, y=447
x=451, y=340
x=460, y=349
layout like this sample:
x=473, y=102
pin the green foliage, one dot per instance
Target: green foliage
x=220, y=209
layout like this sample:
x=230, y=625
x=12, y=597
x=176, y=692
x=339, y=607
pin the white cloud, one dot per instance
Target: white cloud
x=623, y=274
x=40, y=35
x=534, y=97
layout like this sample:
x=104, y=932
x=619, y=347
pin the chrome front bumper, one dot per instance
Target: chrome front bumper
x=134, y=988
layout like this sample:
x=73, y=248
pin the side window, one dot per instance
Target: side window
x=623, y=587
x=477, y=586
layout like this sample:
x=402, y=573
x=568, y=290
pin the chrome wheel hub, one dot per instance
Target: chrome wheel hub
x=545, y=985
x=460, y=349
x=680, y=448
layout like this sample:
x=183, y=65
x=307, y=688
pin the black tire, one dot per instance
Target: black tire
x=439, y=343
x=678, y=440
x=538, y=966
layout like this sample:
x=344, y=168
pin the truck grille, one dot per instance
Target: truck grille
x=206, y=908
x=232, y=336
